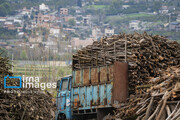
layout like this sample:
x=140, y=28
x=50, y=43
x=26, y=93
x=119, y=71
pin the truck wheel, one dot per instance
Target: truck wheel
x=61, y=117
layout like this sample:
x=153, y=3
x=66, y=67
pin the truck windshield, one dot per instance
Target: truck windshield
x=64, y=85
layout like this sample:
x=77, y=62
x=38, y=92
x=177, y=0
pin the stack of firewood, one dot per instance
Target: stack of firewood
x=161, y=101
x=21, y=103
x=4, y=66
x=146, y=55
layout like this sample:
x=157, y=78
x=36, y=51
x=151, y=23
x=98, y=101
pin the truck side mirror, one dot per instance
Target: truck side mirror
x=58, y=84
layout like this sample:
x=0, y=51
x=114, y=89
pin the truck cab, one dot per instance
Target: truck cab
x=63, y=98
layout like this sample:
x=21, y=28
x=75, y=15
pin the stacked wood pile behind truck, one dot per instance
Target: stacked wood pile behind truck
x=149, y=57
x=27, y=104
x=146, y=55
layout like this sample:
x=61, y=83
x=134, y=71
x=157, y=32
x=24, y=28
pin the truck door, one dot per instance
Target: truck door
x=63, y=98
x=63, y=94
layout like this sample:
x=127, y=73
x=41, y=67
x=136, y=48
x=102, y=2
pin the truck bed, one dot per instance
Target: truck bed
x=99, y=87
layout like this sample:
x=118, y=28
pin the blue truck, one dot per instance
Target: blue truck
x=92, y=92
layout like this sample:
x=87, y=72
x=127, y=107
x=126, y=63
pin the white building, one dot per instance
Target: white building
x=25, y=11
x=134, y=24
x=43, y=7
x=96, y=33
x=178, y=18
x=35, y=39
x=17, y=21
x=109, y=32
x=2, y=19
x=164, y=10
x=87, y=19
x=54, y=30
x=125, y=6
x=77, y=43
x=64, y=11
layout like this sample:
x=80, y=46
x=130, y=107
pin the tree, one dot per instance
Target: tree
x=157, y=6
x=114, y=7
x=79, y=3
x=23, y=55
x=3, y=11
x=72, y=22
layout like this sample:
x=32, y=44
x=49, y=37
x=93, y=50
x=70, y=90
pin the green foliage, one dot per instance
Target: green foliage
x=79, y=18
x=72, y=22
x=114, y=7
x=61, y=3
x=79, y=3
x=7, y=34
x=64, y=71
x=5, y=8
x=156, y=6
x=97, y=6
x=23, y=55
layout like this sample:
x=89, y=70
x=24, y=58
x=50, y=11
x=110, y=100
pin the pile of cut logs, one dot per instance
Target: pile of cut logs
x=24, y=104
x=146, y=55
x=161, y=101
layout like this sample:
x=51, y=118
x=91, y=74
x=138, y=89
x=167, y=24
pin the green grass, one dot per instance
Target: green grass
x=58, y=71
x=139, y=15
x=97, y=6
x=129, y=16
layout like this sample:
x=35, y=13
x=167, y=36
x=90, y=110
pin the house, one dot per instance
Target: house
x=3, y=44
x=69, y=30
x=25, y=11
x=44, y=25
x=8, y=23
x=78, y=11
x=43, y=7
x=178, y=18
x=134, y=24
x=96, y=33
x=48, y=18
x=35, y=39
x=126, y=1
x=51, y=45
x=67, y=18
x=21, y=34
x=178, y=28
x=85, y=20
x=173, y=25
x=55, y=30
x=137, y=1
x=77, y=43
x=171, y=8
x=125, y=6
x=10, y=27
x=164, y=10
x=19, y=29
x=38, y=18
x=64, y=11
x=109, y=32
x=2, y=19
x=17, y=21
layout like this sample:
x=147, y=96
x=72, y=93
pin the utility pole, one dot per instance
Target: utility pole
x=49, y=64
